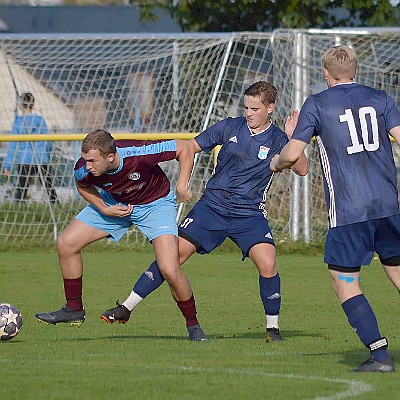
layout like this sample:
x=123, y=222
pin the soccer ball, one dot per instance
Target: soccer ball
x=10, y=321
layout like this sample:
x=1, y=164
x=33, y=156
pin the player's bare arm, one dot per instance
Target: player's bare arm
x=197, y=148
x=301, y=165
x=185, y=155
x=395, y=133
x=292, y=153
x=92, y=196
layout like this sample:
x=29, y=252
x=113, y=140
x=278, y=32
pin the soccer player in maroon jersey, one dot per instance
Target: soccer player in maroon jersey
x=124, y=185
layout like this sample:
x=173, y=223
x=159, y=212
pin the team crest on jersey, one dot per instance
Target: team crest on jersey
x=134, y=176
x=263, y=152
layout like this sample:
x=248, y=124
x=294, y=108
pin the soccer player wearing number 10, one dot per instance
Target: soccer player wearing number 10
x=351, y=123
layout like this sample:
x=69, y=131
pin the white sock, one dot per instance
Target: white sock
x=132, y=301
x=272, y=321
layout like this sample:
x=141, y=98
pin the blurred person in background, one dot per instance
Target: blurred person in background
x=26, y=158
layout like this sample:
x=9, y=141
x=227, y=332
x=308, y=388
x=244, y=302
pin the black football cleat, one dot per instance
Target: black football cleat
x=119, y=313
x=63, y=315
x=273, y=335
x=371, y=365
x=196, y=334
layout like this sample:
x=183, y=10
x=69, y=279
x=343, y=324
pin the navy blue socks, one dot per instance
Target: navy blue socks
x=362, y=319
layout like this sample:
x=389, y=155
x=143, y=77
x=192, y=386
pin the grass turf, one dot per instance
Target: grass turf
x=150, y=356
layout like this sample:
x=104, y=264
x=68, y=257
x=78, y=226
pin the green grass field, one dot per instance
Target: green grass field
x=150, y=356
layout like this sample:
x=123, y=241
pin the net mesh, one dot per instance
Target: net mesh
x=166, y=84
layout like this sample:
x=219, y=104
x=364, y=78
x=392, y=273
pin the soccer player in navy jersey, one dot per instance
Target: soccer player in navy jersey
x=351, y=123
x=134, y=190
x=233, y=203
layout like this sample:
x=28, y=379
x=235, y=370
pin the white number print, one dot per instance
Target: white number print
x=356, y=146
x=186, y=222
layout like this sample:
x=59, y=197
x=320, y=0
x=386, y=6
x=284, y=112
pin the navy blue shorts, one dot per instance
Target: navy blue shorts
x=354, y=245
x=207, y=228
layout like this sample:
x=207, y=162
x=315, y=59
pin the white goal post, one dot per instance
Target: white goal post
x=162, y=84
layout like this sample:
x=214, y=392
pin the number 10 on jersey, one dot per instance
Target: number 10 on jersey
x=356, y=146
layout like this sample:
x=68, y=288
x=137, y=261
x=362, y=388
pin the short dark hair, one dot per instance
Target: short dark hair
x=264, y=90
x=100, y=140
x=27, y=100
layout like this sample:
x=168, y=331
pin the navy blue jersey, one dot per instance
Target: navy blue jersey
x=139, y=179
x=351, y=124
x=242, y=175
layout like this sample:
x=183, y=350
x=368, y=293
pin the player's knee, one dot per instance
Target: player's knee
x=61, y=244
x=267, y=268
x=171, y=274
x=64, y=245
x=184, y=256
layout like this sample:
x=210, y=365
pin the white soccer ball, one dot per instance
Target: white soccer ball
x=10, y=321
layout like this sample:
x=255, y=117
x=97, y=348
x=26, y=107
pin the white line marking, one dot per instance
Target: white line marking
x=356, y=388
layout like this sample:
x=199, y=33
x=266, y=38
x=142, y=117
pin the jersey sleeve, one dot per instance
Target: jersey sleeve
x=212, y=136
x=152, y=152
x=308, y=125
x=392, y=114
x=80, y=172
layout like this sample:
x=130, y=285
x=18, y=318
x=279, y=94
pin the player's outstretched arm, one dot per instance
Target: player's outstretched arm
x=289, y=156
x=185, y=152
x=301, y=166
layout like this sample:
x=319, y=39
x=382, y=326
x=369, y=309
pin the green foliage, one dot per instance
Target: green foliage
x=266, y=15
x=150, y=356
x=369, y=13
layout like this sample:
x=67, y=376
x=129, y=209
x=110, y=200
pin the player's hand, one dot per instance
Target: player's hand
x=291, y=122
x=273, y=164
x=119, y=210
x=183, y=194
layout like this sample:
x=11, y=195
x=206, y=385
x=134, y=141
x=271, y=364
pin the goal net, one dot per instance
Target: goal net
x=164, y=84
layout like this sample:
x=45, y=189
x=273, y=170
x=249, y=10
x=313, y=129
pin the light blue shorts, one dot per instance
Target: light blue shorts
x=153, y=219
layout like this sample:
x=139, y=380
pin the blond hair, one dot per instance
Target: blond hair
x=341, y=62
x=99, y=140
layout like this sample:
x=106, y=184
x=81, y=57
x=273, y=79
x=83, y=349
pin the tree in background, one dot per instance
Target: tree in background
x=63, y=2
x=266, y=15
x=96, y=2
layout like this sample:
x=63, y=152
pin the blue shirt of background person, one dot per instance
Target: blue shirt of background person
x=28, y=123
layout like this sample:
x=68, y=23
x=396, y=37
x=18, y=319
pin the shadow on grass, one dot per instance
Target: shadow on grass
x=354, y=358
x=246, y=336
